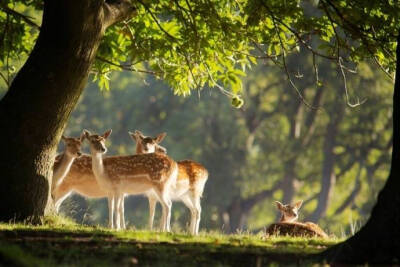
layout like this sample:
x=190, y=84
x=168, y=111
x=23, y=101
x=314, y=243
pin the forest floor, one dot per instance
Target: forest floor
x=59, y=242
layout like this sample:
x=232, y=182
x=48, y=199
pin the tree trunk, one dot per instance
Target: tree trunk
x=237, y=216
x=379, y=240
x=35, y=109
x=289, y=181
x=328, y=174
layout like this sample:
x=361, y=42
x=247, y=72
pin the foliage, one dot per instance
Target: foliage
x=194, y=44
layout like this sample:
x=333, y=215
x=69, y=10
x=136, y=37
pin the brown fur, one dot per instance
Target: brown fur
x=193, y=171
x=192, y=177
x=307, y=229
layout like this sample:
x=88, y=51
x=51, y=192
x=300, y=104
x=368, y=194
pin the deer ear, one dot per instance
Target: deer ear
x=63, y=138
x=82, y=137
x=279, y=205
x=133, y=136
x=86, y=133
x=139, y=134
x=160, y=137
x=298, y=204
x=107, y=134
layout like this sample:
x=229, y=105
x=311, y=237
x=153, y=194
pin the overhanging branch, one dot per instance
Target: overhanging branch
x=118, y=10
x=28, y=20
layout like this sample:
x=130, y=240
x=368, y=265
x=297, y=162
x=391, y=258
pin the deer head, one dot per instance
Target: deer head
x=97, y=142
x=73, y=145
x=147, y=144
x=290, y=211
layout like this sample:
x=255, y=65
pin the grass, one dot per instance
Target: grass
x=61, y=242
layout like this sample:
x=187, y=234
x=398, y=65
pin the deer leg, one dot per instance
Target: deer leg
x=189, y=204
x=111, y=211
x=122, y=212
x=166, y=204
x=117, y=209
x=152, y=208
x=197, y=207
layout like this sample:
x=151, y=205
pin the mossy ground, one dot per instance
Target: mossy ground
x=60, y=242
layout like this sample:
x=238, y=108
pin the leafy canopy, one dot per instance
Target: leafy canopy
x=194, y=44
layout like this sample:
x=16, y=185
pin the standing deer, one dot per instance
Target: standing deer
x=189, y=188
x=288, y=225
x=135, y=174
x=80, y=179
x=63, y=162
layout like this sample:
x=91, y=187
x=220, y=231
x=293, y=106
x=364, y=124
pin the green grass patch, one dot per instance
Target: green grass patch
x=59, y=241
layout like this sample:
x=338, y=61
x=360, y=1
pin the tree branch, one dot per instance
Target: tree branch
x=28, y=20
x=250, y=202
x=117, y=11
x=127, y=67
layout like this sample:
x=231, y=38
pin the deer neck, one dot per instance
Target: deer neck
x=61, y=168
x=98, y=168
x=284, y=219
x=139, y=149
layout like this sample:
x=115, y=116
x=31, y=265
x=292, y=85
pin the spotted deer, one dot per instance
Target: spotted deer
x=288, y=224
x=134, y=174
x=79, y=179
x=63, y=161
x=189, y=188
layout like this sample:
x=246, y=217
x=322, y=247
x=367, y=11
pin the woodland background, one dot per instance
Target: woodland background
x=335, y=158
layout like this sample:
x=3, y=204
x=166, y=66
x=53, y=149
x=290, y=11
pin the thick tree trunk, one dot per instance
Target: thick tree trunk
x=34, y=111
x=379, y=240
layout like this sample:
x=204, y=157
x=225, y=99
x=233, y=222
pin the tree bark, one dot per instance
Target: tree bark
x=378, y=241
x=34, y=111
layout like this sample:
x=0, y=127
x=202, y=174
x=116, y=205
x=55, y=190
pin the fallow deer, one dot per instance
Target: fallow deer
x=80, y=179
x=189, y=188
x=63, y=161
x=288, y=225
x=135, y=174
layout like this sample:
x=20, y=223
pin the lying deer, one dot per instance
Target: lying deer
x=63, y=161
x=287, y=224
x=135, y=174
x=192, y=177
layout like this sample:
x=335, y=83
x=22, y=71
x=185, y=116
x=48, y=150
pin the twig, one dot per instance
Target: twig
x=128, y=67
x=222, y=89
x=301, y=97
x=358, y=103
x=5, y=79
x=27, y=19
x=339, y=61
x=315, y=70
x=295, y=33
x=156, y=20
